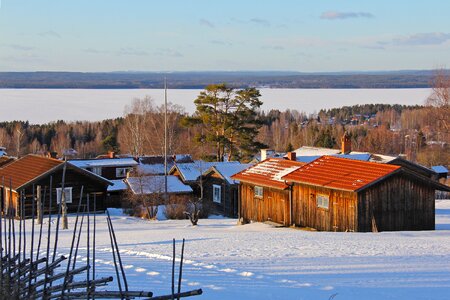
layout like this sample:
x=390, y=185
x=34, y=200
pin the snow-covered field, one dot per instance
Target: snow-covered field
x=45, y=105
x=257, y=261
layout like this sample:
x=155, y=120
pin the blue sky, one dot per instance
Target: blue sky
x=183, y=35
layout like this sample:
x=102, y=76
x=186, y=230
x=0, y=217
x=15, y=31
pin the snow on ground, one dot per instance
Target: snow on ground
x=257, y=261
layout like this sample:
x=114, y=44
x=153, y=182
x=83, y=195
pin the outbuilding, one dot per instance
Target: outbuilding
x=338, y=194
x=23, y=176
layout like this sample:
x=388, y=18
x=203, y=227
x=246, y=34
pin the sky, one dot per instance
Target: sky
x=231, y=35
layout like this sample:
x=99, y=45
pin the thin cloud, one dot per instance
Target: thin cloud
x=336, y=15
x=206, y=23
x=422, y=39
x=221, y=43
x=18, y=47
x=131, y=52
x=259, y=21
x=168, y=52
x=50, y=33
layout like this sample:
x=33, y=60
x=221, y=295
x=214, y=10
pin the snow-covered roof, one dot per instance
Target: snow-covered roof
x=118, y=185
x=226, y=171
x=107, y=162
x=154, y=169
x=155, y=184
x=352, y=155
x=315, y=151
x=269, y=172
x=439, y=169
x=384, y=159
x=191, y=171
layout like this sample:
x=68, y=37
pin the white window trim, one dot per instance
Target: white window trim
x=121, y=172
x=217, y=198
x=259, y=191
x=97, y=170
x=68, y=193
x=323, y=201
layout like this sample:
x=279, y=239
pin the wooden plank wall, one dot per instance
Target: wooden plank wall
x=397, y=203
x=72, y=179
x=274, y=206
x=228, y=205
x=340, y=216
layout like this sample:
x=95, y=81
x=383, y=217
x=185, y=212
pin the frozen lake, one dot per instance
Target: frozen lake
x=45, y=105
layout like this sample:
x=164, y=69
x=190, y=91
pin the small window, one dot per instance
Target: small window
x=67, y=195
x=323, y=201
x=259, y=191
x=217, y=195
x=97, y=170
x=121, y=172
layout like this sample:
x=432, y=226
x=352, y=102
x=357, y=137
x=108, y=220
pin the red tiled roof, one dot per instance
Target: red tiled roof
x=26, y=169
x=340, y=173
x=268, y=172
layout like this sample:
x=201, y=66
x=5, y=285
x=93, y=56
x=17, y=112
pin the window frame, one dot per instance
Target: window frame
x=66, y=190
x=258, y=194
x=218, y=199
x=97, y=170
x=121, y=169
x=323, y=201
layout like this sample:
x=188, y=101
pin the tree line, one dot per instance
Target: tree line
x=228, y=124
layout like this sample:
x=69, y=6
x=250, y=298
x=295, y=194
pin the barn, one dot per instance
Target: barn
x=27, y=173
x=264, y=195
x=339, y=194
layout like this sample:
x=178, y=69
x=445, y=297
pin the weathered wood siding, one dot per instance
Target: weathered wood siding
x=72, y=179
x=229, y=201
x=397, y=203
x=273, y=206
x=340, y=215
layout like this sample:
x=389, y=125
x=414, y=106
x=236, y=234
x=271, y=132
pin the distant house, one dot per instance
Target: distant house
x=442, y=173
x=220, y=189
x=154, y=164
x=148, y=185
x=263, y=194
x=109, y=168
x=338, y=194
x=30, y=171
x=115, y=169
x=190, y=173
x=3, y=151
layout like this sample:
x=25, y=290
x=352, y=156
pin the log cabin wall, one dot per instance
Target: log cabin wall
x=228, y=205
x=341, y=214
x=72, y=179
x=273, y=206
x=397, y=203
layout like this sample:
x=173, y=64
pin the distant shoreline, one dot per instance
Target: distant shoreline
x=198, y=80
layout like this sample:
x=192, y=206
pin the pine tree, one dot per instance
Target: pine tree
x=229, y=119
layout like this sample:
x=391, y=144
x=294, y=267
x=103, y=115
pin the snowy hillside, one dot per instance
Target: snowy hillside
x=257, y=261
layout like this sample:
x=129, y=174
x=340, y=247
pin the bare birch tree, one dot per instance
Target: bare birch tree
x=135, y=133
x=439, y=102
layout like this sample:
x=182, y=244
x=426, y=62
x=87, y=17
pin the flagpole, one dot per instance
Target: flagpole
x=165, y=141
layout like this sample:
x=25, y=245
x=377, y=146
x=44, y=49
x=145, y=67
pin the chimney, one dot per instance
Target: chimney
x=292, y=155
x=111, y=154
x=346, y=144
x=266, y=153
